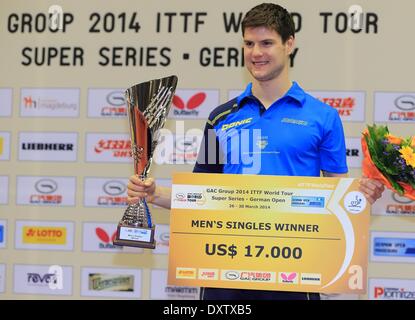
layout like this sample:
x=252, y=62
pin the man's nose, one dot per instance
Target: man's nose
x=256, y=50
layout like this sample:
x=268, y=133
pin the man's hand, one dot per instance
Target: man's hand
x=138, y=189
x=371, y=188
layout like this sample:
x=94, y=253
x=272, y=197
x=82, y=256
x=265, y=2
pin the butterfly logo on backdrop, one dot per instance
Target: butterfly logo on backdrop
x=188, y=108
x=106, y=241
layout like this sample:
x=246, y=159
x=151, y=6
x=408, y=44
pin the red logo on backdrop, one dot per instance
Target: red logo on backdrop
x=119, y=148
x=344, y=106
x=113, y=111
x=106, y=241
x=188, y=108
x=379, y=291
x=29, y=103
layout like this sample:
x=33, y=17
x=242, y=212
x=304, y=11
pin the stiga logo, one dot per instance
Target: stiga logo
x=46, y=191
x=349, y=105
x=101, y=192
x=47, y=146
x=394, y=107
x=44, y=235
x=106, y=103
x=288, y=277
x=186, y=273
x=50, y=102
x=193, y=104
x=108, y=147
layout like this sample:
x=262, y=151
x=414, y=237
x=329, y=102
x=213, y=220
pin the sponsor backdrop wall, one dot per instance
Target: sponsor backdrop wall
x=64, y=141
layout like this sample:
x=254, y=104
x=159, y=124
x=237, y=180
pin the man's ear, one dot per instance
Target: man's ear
x=289, y=45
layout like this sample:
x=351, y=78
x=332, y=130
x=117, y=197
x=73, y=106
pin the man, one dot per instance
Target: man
x=297, y=135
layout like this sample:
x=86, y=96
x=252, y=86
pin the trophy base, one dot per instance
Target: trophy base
x=131, y=236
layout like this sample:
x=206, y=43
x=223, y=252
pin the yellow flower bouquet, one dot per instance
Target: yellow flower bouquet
x=390, y=159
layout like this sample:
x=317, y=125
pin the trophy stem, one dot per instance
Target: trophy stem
x=142, y=204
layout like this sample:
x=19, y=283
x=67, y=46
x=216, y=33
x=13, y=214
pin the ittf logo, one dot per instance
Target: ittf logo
x=183, y=108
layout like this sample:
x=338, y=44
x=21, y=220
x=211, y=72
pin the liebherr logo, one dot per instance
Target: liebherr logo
x=235, y=124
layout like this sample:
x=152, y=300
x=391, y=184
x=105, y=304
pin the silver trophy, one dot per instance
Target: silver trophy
x=148, y=105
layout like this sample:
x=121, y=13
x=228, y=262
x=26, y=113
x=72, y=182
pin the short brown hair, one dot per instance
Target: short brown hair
x=272, y=16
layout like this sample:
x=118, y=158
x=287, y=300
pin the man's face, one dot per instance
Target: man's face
x=265, y=54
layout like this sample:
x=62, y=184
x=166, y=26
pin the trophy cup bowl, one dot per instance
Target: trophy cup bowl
x=148, y=105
